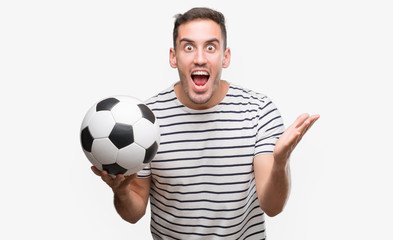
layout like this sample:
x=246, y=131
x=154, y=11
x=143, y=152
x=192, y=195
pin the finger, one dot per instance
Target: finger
x=127, y=180
x=107, y=178
x=96, y=171
x=315, y=117
x=103, y=174
x=119, y=178
x=130, y=178
x=124, y=184
x=310, y=123
x=301, y=119
x=303, y=128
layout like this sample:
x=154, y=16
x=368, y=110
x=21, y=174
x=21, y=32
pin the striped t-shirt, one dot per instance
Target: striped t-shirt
x=203, y=184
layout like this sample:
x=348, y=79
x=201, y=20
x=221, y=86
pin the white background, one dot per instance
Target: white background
x=333, y=57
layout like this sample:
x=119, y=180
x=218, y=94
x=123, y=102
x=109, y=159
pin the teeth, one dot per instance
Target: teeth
x=201, y=73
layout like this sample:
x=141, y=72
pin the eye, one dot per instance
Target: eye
x=188, y=47
x=210, y=48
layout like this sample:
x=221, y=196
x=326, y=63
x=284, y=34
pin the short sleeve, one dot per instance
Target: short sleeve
x=145, y=172
x=270, y=127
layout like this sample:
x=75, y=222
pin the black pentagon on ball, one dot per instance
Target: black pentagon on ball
x=86, y=139
x=151, y=152
x=147, y=113
x=114, y=168
x=106, y=104
x=122, y=135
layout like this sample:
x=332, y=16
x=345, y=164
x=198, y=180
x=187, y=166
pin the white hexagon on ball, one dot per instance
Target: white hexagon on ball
x=126, y=112
x=145, y=133
x=101, y=124
x=104, y=151
x=131, y=156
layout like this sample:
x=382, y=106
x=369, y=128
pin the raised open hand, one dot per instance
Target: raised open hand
x=291, y=137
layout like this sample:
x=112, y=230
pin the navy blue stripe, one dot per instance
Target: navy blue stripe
x=271, y=120
x=267, y=104
x=265, y=144
x=206, y=148
x=206, y=175
x=155, y=110
x=202, y=157
x=203, y=113
x=161, y=101
x=210, y=130
x=165, y=93
x=263, y=116
x=250, y=190
x=247, y=92
x=207, y=121
x=248, y=96
x=161, y=234
x=277, y=135
x=263, y=152
x=224, y=165
x=253, y=233
x=201, y=183
x=208, y=139
x=237, y=104
x=151, y=100
x=240, y=96
x=200, y=201
x=277, y=126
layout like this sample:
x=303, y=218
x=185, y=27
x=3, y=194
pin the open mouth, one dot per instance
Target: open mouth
x=200, y=78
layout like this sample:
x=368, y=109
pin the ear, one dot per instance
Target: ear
x=227, y=58
x=172, y=58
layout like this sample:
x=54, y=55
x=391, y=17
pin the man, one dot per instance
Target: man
x=223, y=160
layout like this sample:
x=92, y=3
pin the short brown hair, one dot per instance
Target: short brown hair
x=200, y=13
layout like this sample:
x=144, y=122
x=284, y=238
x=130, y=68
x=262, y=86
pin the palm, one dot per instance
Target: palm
x=292, y=136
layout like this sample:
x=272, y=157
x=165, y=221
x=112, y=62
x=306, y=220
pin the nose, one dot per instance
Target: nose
x=200, y=57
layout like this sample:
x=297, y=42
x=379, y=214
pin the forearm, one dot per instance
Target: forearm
x=272, y=172
x=131, y=207
x=276, y=190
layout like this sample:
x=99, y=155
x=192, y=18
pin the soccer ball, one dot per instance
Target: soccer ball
x=120, y=134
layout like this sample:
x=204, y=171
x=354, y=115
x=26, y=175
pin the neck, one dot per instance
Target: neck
x=216, y=98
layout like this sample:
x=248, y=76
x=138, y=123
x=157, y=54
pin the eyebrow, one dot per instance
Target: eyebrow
x=191, y=41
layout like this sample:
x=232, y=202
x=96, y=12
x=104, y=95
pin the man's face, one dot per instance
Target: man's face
x=199, y=58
